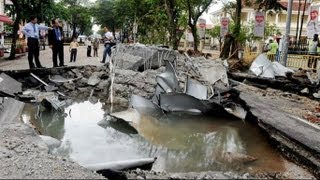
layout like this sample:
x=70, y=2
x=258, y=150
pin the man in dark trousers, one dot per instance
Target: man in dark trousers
x=55, y=38
x=31, y=31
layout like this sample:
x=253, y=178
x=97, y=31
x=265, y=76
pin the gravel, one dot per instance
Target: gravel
x=23, y=155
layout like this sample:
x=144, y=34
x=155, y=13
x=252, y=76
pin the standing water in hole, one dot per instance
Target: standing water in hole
x=182, y=143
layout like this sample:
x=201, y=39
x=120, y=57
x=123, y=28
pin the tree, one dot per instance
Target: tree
x=232, y=39
x=22, y=10
x=259, y=4
x=78, y=16
x=195, y=8
x=104, y=13
x=172, y=13
x=120, y=15
x=176, y=20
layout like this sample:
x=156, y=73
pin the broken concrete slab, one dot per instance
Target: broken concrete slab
x=128, y=61
x=93, y=80
x=263, y=67
x=297, y=138
x=196, y=89
x=9, y=86
x=10, y=110
x=120, y=124
x=130, y=115
x=290, y=84
x=140, y=57
x=58, y=79
x=214, y=73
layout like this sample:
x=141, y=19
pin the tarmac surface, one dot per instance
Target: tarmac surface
x=21, y=61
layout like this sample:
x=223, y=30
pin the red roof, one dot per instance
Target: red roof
x=5, y=19
x=295, y=5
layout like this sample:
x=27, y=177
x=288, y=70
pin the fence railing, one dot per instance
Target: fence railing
x=295, y=61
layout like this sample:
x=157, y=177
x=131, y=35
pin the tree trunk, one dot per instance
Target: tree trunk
x=174, y=39
x=172, y=14
x=193, y=27
x=15, y=30
x=195, y=37
x=302, y=19
x=229, y=40
x=236, y=33
x=74, y=31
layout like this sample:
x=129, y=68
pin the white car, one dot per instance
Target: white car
x=82, y=38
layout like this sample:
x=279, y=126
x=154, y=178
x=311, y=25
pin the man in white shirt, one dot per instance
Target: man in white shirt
x=31, y=31
x=88, y=44
x=108, y=43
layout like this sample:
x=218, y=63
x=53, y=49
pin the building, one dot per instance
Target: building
x=273, y=18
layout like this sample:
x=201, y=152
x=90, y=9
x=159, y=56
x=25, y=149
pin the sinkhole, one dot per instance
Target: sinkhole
x=181, y=142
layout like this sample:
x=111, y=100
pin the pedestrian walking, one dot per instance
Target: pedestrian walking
x=73, y=50
x=95, y=47
x=88, y=44
x=55, y=38
x=31, y=31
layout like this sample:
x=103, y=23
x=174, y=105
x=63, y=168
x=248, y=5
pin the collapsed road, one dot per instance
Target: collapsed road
x=157, y=76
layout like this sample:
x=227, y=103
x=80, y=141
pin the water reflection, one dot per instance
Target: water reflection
x=47, y=121
x=181, y=142
x=190, y=143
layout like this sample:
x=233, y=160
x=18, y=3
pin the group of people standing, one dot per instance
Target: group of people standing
x=55, y=40
x=274, y=47
x=92, y=45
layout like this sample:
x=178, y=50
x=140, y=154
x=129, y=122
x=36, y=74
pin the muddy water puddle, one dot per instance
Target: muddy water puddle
x=182, y=143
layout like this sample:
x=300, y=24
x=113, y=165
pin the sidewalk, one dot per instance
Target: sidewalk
x=46, y=59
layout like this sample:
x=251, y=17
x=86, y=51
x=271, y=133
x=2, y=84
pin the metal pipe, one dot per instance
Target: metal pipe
x=37, y=78
x=44, y=83
x=285, y=42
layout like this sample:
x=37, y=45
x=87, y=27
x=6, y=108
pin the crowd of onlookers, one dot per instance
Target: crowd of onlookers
x=56, y=41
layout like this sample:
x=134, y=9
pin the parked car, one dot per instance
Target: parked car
x=82, y=38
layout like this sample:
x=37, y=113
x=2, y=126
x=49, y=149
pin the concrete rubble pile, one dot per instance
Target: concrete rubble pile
x=263, y=74
x=199, y=83
x=196, y=86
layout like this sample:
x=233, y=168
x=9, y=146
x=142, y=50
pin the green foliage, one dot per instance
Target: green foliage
x=243, y=34
x=77, y=15
x=271, y=29
x=214, y=32
x=194, y=9
x=41, y=8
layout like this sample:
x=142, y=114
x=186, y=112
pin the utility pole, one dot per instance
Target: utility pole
x=285, y=42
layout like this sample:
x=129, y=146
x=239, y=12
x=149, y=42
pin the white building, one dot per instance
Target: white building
x=278, y=19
